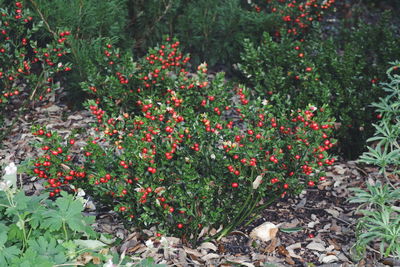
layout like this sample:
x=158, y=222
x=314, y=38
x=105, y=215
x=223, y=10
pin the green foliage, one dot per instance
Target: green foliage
x=386, y=150
x=34, y=231
x=343, y=71
x=29, y=65
x=275, y=67
x=213, y=31
x=149, y=262
x=90, y=21
x=353, y=75
x=182, y=152
x=380, y=221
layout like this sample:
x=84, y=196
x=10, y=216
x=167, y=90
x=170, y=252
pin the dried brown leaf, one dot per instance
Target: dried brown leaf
x=208, y=246
x=192, y=252
x=282, y=251
x=210, y=256
x=272, y=246
x=289, y=260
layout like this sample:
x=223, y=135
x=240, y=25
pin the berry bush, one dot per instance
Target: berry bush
x=29, y=66
x=311, y=70
x=184, y=152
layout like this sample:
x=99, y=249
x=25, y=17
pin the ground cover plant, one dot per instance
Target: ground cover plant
x=381, y=219
x=36, y=231
x=385, y=151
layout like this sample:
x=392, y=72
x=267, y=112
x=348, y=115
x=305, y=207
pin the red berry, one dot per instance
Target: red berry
x=235, y=185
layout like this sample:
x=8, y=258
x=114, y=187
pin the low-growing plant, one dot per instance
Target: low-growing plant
x=36, y=231
x=385, y=152
x=381, y=219
x=186, y=153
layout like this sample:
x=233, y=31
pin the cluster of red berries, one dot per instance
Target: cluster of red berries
x=297, y=15
x=18, y=40
x=48, y=165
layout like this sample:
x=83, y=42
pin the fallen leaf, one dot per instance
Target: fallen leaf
x=271, y=247
x=208, y=245
x=282, y=251
x=192, y=252
x=312, y=224
x=329, y=259
x=203, y=231
x=85, y=258
x=291, y=224
x=257, y=182
x=221, y=248
x=293, y=255
x=316, y=246
x=294, y=246
x=332, y=212
x=334, y=244
x=210, y=257
x=289, y=260
x=264, y=232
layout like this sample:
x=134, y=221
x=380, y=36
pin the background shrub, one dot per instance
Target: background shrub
x=340, y=70
x=89, y=22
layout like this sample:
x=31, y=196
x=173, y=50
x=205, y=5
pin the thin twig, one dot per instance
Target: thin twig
x=42, y=17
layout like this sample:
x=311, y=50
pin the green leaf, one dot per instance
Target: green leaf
x=149, y=262
x=21, y=204
x=15, y=233
x=9, y=253
x=31, y=258
x=68, y=212
x=3, y=238
x=48, y=248
x=291, y=230
x=37, y=216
